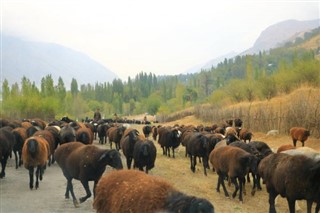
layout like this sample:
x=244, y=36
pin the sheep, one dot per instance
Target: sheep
x=235, y=163
x=285, y=147
x=134, y=191
x=102, y=132
x=35, y=154
x=20, y=135
x=273, y=132
x=238, y=122
x=127, y=143
x=46, y=134
x=146, y=130
x=307, y=151
x=245, y=135
x=295, y=177
x=84, y=135
x=85, y=163
x=7, y=141
x=198, y=146
x=115, y=134
x=144, y=155
x=299, y=134
x=168, y=138
x=67, y=134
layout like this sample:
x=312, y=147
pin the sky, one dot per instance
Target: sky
x=164, y=37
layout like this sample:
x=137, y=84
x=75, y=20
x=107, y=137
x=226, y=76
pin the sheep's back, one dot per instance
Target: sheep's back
x=226, y=160
x=41, y=156
x=299, y=133
x=120, y=191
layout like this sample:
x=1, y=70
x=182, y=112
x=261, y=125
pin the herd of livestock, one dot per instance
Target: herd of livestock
x=227, y=148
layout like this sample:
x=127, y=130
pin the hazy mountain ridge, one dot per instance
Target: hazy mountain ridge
x=273, y=36
x=278, y=34
x=37, y=59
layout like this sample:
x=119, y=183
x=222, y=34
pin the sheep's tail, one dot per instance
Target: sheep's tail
x=33, y=147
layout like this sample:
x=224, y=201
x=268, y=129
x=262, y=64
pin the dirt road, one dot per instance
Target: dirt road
x=15, y=195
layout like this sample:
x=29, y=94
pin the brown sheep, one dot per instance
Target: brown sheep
x=127, y=144
x=299, y=134
x=85, y=163
x=115, y=134
x=295, y=177
x=134, y=191
x=35, y=154
x=285, y=147
x=245, y=135
x=46, y=134
x=235, y=163
x=84, y=135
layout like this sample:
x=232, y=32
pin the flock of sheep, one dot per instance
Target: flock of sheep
x=292, y=172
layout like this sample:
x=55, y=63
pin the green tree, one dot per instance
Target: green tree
x=61, y=90
x=74, y=87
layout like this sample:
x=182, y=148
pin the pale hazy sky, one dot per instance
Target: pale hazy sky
x=162, y=37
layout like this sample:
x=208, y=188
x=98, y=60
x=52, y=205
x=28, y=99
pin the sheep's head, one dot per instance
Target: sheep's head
x=111, y=158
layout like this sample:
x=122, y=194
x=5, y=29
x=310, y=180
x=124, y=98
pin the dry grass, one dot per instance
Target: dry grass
x=177, y=171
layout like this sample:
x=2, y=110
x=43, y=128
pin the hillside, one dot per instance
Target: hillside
x=36, y=60
x=278, y=34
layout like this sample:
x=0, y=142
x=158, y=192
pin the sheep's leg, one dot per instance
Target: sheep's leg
x=205, y=165
x=31, y=170
x=294, y=142
x=272, y=196
x=192, y=163
x=37, y=176
x=309, y=206
x=70, y=189
x=236, y=185
x=20, y=158
x=253, y=191
x=85, y=184
x=129, y=161
x=221, y=179
x=16, y=158
x=3, y=166
x=173, y=152
x=302, y=143
x=291, y=204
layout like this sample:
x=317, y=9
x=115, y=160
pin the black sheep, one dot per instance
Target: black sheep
x=7, y=142
x=85, y=163
x=67, y=134
x=168, y=138
x=144, y=155
x=198, y=146
x=146, y=130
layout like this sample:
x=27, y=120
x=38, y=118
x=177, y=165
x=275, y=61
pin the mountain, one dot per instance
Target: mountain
x=278, y=34
x=35, y=60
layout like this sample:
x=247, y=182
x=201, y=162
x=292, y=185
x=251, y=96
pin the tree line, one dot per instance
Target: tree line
x=243, y=78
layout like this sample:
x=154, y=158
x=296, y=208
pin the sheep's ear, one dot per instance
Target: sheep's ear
x=104, y=156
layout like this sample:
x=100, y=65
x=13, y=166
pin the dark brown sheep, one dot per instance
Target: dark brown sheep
x=85, y=163
x=20, y=135
x=144, y=155
x=134, y=191
x=84, y=135
x=168, y=138
x=102, y=132
x=127, y=144
x=115, y=134
x=35, y=155
x=294, y=177
x=7, y=142
x=67, y=134
x=299, y=134
x=232, y=162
